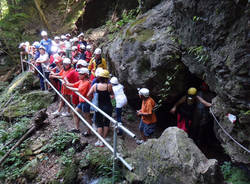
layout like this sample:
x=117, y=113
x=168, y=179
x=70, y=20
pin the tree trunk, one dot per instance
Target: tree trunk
x=43, y=18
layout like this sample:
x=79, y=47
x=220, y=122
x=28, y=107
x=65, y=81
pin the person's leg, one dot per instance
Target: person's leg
x=61, y=104
x=119, y=118
x=41, y=78
x=76, y=118
x=68, y=98
x=141, y=128
x=86, y=114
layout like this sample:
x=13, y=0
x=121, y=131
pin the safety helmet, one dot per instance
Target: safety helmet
x=98, y=51
x=21, y=45
x=27, y=43
x=44, y=33
x=104, y=73
x=75, y=39
x=81, y=34
x=67, y=35
x=98, y=71
x=192, y=91
x=42, y=47
x=82, y=62
x=58, y=59
x=144, y=92
x=66, y=61
x=74, y=48
x=36, y=44
x=82, y=46
x=63, y=37
x=88, y=47
x=83, y=71
x=114, y=80
x=57, y=38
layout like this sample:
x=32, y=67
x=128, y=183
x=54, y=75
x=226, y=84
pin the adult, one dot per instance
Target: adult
x=42, y=64
x=148, y=117
x=65, y=91
x=68, y=46
x=104, y=90
x=73, y=77
x=186, y=106
x=97, y=62
x=82, y=86
x=120, y=99
x=46, y=42
x=88, y=53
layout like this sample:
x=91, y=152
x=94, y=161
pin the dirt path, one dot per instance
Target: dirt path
x=49, y=167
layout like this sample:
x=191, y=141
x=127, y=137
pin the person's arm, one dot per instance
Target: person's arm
x=104, y=63
x=110, y=89
x=181, y=101
x=204, y=102
x=91, y=91
x=149, y=110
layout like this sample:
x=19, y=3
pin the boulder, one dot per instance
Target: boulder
x=210, y=39
x=171, y=159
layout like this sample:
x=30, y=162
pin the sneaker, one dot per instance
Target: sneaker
x=139, y=142
x=75, y=131
x=86, y=134
x=107, y=139
x=99, y=144
x=66, y=114
x=56, y=113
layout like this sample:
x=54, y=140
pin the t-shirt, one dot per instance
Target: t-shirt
x=44, y=57
x=120, y=97
x=67, y=45
x=88, y=55
x=83, y=87
x=73, y=76
x=147, y=108
x=65, y=90
x=47, y=44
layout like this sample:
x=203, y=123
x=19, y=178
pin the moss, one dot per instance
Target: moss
x=70, y=173
x=129, y=31
x=144, y=35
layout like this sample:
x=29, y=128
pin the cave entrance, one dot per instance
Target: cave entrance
x=209, y=144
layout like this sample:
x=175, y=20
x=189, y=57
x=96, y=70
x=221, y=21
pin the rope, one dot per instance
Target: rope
x=247, y=150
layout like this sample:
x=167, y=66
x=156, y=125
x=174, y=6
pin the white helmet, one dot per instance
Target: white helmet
x=21, y=45
x=98, y=71
x=68, y=35
x=63, y=37
x=81, y=34
x=114, y=80
x=82, y=62
x=144, y=92
x=66, y=61
x=74, y=48
x=75, y=39
x=27, y=43
x=98, y=51
x=83, y=71
x=88, y=47
x=44, y=33
x=57, y=38
x=42, y=47
x=82, y=46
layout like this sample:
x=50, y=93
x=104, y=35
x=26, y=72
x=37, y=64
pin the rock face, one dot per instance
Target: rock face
x=172, y=159
x=210, y=38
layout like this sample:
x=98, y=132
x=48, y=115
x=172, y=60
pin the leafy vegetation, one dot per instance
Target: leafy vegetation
x=233, y=174
x=60, y=141
x=200, y=53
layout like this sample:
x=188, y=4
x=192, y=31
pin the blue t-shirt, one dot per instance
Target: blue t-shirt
x=37, y=55
x=47, y=44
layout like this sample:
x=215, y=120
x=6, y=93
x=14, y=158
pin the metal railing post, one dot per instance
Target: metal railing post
x=21, y=58
x=115, y=152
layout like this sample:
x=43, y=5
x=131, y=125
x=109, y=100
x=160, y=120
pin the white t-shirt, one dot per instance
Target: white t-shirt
x=67, y=45
x=45, y=65
x=120, y=97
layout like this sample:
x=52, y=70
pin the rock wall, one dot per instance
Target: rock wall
x=210, y=38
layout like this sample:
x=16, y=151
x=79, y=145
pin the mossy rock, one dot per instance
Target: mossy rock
x=28, y=104
x=70, y=173
x=31, y=169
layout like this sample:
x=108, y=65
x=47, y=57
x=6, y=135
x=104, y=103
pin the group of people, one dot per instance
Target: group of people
x=73, y=65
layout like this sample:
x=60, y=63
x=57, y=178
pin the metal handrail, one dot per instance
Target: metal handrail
x=113, y=150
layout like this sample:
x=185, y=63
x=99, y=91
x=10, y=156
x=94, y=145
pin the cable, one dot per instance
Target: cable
x=247, y=150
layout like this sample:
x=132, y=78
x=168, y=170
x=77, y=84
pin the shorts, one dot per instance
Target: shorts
x=147, y=129
x=84, y=106
x=102, y=121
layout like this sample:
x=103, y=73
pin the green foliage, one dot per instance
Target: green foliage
x=101, y=162
x=233, y=174
x=196, y=18
x=199, y=52
x=60, y=141
x=67, y=156
x=127, y=16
